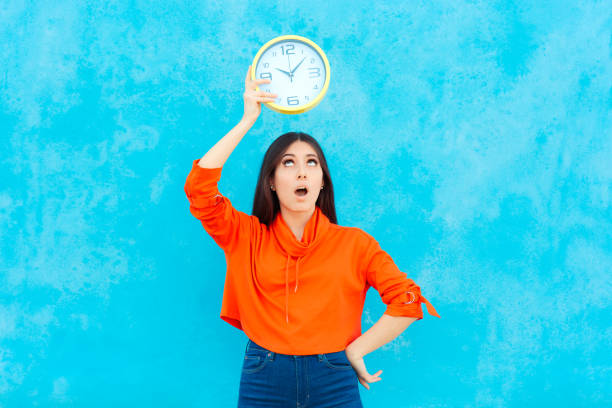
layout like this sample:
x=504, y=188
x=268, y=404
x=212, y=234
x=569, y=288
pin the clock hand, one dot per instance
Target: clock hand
x=296, y=67
x=290, y=71
x=284, y=72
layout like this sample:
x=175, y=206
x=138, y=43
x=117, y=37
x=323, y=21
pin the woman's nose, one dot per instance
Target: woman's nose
x=301, y=171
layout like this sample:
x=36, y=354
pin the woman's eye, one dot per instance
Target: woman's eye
x=290, y=160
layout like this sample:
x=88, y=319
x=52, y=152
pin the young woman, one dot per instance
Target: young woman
x=296, y=281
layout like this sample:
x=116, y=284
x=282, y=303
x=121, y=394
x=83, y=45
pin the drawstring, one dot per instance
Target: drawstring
x=287, y=290
x=297, y=262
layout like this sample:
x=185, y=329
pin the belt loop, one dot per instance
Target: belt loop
x=271, y=354
x=320, y=357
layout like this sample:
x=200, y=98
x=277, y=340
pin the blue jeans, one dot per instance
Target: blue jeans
x=272, y=379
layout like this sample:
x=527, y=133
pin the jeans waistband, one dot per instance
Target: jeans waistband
x=271, y=354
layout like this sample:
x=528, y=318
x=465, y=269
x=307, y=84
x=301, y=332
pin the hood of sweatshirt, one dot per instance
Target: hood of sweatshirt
x=314, y=232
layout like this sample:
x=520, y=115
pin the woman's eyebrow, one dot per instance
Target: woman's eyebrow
x=309, y=154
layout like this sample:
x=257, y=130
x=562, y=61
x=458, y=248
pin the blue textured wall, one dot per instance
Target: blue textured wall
x=472, y=139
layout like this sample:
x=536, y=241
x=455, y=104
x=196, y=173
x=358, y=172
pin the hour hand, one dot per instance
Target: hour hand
x=285, y=72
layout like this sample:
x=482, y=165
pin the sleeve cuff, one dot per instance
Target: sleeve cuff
x=202, y=182
x=404, y=310
x=212, y=170
x=411, y=309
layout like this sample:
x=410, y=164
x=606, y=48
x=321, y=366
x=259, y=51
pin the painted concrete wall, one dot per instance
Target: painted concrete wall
x=472, y=139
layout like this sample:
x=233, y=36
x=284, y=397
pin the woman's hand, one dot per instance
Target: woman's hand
x=362, y=373
x=253, y=98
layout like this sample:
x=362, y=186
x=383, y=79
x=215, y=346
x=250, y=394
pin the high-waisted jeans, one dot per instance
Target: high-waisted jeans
x=272, y=379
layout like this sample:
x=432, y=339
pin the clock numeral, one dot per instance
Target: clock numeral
x=314, y=72
x=307, y=98
x=315, y=87
x=266, y=75
x=266, y=65
x=312, y=60
x=288, y=49
x=293, y=100
x=274, y=53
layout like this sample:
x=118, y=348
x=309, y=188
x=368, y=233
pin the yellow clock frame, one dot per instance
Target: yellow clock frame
x=315, y=101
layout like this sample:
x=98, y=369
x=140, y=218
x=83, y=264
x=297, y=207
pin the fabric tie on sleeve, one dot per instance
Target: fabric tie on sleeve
x=430, y=309
x=421, y=299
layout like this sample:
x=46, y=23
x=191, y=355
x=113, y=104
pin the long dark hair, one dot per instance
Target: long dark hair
x=265, y=202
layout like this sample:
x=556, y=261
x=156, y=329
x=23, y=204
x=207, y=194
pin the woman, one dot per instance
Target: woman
x=296, y=281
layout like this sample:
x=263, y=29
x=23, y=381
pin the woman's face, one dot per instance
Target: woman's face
x=299, y=167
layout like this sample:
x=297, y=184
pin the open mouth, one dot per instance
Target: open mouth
x=301, y=192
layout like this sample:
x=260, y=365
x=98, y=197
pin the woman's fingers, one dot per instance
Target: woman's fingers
x=253, y=97
x=252, y=84
x=268, y=94
x=260, y=95
x=248, y=83
x=373, y=378
x=261, y=98
x=368, y=379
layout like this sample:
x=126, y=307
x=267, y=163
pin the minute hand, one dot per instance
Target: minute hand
x=296, y=67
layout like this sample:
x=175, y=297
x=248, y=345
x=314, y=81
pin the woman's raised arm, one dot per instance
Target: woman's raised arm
x=218, y=154
x=221, y=220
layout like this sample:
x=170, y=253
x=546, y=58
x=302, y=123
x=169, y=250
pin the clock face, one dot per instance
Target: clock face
x=297, y=72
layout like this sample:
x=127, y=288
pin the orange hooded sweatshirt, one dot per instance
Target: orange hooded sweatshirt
x=297, y=297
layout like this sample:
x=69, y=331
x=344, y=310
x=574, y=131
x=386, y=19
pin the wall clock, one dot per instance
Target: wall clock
x=298, y=70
